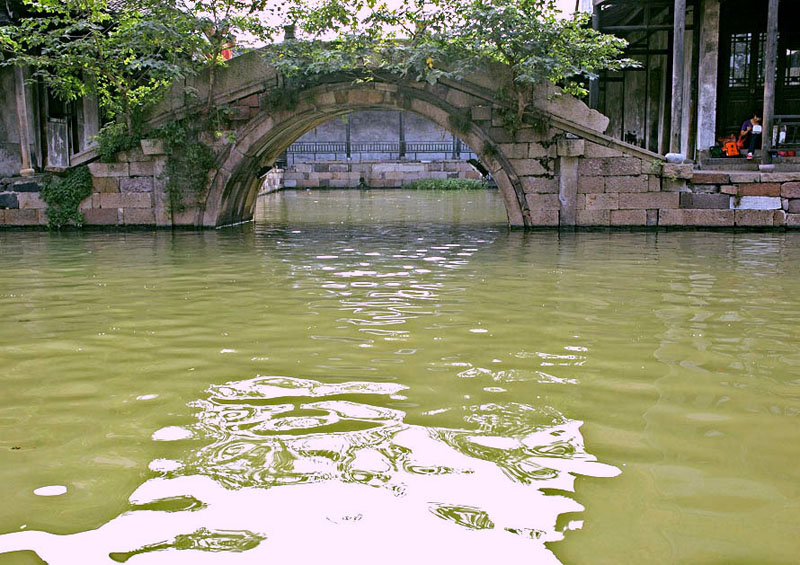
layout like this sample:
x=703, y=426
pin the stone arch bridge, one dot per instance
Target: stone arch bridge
x=561, y=171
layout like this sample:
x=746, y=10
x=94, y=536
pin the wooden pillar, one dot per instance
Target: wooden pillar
x=402, y=136
x=770, y=65
x=347, y=145
x=678, y=38
x=22, y=123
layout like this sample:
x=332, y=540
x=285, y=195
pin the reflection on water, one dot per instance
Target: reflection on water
x=394, y=377
x=285, y=462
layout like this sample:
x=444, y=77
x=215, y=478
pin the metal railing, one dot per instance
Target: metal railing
x=392, y=149
x=787, y=131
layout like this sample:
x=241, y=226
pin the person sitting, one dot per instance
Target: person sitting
x=750, y=135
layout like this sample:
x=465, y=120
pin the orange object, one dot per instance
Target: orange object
x=731, y=149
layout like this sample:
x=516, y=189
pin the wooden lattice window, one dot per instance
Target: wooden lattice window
x=739, y=74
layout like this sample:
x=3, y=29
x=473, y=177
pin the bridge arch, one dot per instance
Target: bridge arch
x=233, y=189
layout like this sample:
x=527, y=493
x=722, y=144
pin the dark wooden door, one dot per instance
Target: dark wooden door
x=741, y=64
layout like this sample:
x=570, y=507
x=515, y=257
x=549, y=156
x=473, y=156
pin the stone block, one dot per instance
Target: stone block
x=136, y=184
x=669, y=185
x=744, y=176
x=543, y=202
x=754, y=218
x=109, y=169
x=590, y=167
x=135, y=200
x=649, y=200
x=514, y=150
x=793, y=205
x=598, y=201
x=292, y=183
x=24, y=187
x=132, y=156
x=105, y=184
x=524, y=167
x=653, y=183
x=9, y=200
x=628, y=218
x=570, y=147
x=621, y=166
x=539, y=185
x=110, y=200
x=141, y=168
x=792, y=221
x=627, y=184
x=677, y=171
x=591, y=185
x=91, y=201
x=593, y=217
x=710, y=177
x=731, y=189
x=338, y=168
x=537, y=150
x=481, y=113
x=138, y=217
x=652, y=217
x=778, y=218
x=790, y=190
x=705, y=188
x=705, y=201
x=694, y=217
x=593, y=151
x=780, y=177
x=153, y=146
x=757, y=203
x=760, y=189
x=31, y=200
x=101, y=217
x=15, y=217
x=544, y=218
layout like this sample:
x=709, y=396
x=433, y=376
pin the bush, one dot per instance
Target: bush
x=64, y=195
x=446, y=184
x=112, y=139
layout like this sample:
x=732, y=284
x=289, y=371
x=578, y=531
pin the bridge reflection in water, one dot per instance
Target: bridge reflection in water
x=331, y=471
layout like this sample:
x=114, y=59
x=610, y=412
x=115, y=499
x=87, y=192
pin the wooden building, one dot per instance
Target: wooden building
x=733, y=57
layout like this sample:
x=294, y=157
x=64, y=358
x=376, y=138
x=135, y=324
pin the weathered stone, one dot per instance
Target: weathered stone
x=544, y=218
x=705, y=188
x=570, y=147
x=693, y=217
x=744, y=176
x=628, y=217
x=153, y=146
x=539, y=185
x=793, y=206
x=649, y=200
x=620, y=166
x=110, y=200
x=138, y=216
x=780, y=177
x=514, y=150
x=756, y=203
x=627, y=184
x=25, y=187
x=132, y=156
x=591, y=167
x=109, y=169
x=652, y=217
x=593, y=150
x=105, y=184
x=790, y=190
x=778, y=218
x=101, y=217
x=29, y=217
x=598, y=201
x=792, y=221
x=524, y=167
x=677, y=171
x=591, y=185
x=543, y=201
x=669, y=185
x=141, y=168
x=480, y=113
x=754, y=218
x=9, y=200
x=136, y=184
x=760, y=189
x=537, y=150
x=731, y=189
x=31, y=200
x=708, y=177
x=593, y=217
x=705, y=201
x=653, y=183
x=135, y=200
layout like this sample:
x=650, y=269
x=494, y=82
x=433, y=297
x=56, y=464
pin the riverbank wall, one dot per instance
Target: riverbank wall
x=581, y=184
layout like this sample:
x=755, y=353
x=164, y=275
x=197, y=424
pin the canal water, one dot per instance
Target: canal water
x=394, y=377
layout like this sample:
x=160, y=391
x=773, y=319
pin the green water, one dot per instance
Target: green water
x=394, y=377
